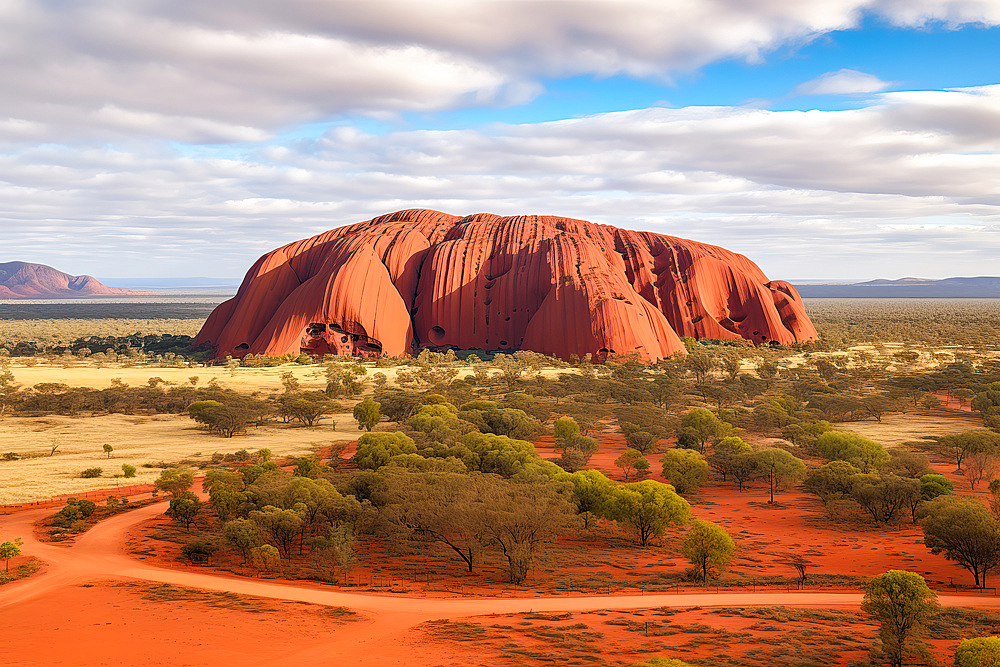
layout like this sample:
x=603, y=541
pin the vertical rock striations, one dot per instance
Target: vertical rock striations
x=419, y=278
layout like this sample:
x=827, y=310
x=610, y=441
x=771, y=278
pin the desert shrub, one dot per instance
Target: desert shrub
x=127, y=470
x=75, y=510
x=686, y=469
x=92, y=472
x=978, y=652
x=11, y=456
x=199, y=550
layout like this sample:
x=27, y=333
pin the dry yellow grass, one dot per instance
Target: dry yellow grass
x=52, y=331
x=896, y=429
x=85, y=374
x=137, y=440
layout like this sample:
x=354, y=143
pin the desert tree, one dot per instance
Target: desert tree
x=723, y=453
x=979, y=466
x=174, y=481
x=933, y=485
x=900, y=601
x=632, y=462
x=685, y=469
x=591, y=493
x=703, y=426
x=242, y=535
x=10, y=549
x=108, y=449
x=306, y=410
x=709, y=548
x=978, y=652
x=960, y=445
x=289, y=382
x=522, y=519
x=265, y=557
x=964, y=531
x=184, y=509
x=447, y=509
x=648, y=507
x=367, y=414
x=779, y=467
x=864, y=454
x=883, y=496
x=908, y=464
x=744, y=468
x=376, y=449
x=279, y=527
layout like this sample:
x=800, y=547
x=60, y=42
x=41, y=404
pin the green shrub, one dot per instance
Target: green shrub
x=92, y=472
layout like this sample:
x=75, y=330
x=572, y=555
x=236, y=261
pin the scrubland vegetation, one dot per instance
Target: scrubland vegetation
x=499, y=470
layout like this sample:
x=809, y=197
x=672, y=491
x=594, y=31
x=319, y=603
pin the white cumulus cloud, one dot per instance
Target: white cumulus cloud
x=842, y=82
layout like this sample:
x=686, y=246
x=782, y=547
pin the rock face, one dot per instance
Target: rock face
x=22, y=280
x=565, y=287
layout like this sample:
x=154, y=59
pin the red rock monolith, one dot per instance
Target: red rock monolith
x=559, y=286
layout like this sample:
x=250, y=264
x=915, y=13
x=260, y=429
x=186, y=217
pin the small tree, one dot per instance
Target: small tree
x=723, y=453
x=127, y=470
x=899, y=601
x=367, y=413
x=862, y=453
x=648, y=507
x=243, y=535
x=108, y=449
x=703, y=425
x=708, y=547
x=591, y=492
x=979, y=466
x=686, y=469
x=633, y=462
x=10, y=549
x=779, y=467
x=978, y=652
x=174, y=481
x=265, y=557
x=964, y=531
x=933, y=485
x=184, y=509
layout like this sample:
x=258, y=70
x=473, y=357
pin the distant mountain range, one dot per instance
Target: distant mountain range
x=24, y=280
x=980, y=287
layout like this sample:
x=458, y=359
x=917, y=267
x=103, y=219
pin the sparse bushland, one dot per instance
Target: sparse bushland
x=748, y=418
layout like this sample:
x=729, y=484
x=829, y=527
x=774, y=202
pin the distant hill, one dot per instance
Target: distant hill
x=980, y=287
x=24, y=280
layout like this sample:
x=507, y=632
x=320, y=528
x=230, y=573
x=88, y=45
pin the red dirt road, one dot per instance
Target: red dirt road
x=41, y=615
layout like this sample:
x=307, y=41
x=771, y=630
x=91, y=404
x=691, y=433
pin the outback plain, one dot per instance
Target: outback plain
x=462, y=507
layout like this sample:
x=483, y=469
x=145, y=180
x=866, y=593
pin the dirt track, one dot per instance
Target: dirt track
x=99, y=554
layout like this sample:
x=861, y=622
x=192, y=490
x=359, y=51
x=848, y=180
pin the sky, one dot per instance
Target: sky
x=824, y=139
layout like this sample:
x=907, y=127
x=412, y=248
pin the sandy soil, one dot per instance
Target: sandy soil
x=137, y=441
x=69, y=615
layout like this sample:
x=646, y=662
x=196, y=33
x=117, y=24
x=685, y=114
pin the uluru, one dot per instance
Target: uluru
x=24, y=280
x=419, y=278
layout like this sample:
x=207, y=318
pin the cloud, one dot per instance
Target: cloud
x=911, y=180
x=232, y=70
x=842, y=82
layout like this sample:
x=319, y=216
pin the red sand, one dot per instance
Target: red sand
x=49, y=619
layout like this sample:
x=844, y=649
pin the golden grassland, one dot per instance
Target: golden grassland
x=138, y=441
x=896, y=429
x=55, y=331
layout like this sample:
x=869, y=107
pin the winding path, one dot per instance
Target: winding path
x=100, y=554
